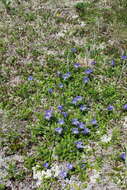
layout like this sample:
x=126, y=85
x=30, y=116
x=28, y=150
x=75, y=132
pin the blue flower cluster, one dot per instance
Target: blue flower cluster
x=75, y=126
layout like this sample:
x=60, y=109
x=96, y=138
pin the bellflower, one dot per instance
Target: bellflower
x=60, y=107
x=123, y=57
x=79, y=98
x=83, y=107
x=50, y=90
x=76, y=99
x=75, y=121
x=86, y=131
x=63, y=174
x=79, y=144
x=67, y=75
x=61, y=85
x=125, y=107
x=88, y=71
x=83, y=166
x=46, y=165
x=86, y=80
x=75, y=131
x=93, y=62
x=123, y=156
x=74, y=50
x=81, y=125
x=30, y=78
x=110, y=108
x=70, y=166
x=112, y=63
x=48, y=114
x=65, y=114
x=77, y=65
x=94, y=122
x=59, y=130
x=61, y=121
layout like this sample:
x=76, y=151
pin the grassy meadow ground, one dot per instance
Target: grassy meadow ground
x=63, y=95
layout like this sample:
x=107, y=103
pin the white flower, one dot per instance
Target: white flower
x=106, y=138
x=82, y=24
x=75, y=16
x=39, y=175
x=94, y=177
x=125, y=123
x=56, y=170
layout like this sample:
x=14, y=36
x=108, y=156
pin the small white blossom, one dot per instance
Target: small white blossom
x=106, y=138
x=39, y=175
x=125, y=123
x=94, y=177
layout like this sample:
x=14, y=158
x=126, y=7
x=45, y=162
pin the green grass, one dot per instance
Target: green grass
x=30, y=46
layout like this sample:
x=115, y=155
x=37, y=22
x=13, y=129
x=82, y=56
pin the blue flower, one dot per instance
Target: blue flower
x=79, y=98
x=83, y=166
x=123, y=57
x=50, y=90
x=61, y=85
x=48, y=114
x=63, y=174
x=112, y=63
x=70, y=166
x=61, y=121
x=94, y=122
x=79, y=144
x=77, y=65
x=76, y=99
x=110, y=108
x=75, y=131
x=81, y=125
x=123, y=156
x=59, y=130
x=93, y=62
x=88, y=71
x=65, y=114
x=46, y=165
x=67, y=75
x=86, y=131
x=125, y=107
x=74, y=50
x=83, y=108
x=75, y=121
x=60, y=107
x=30, y=78
x=86, y=80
